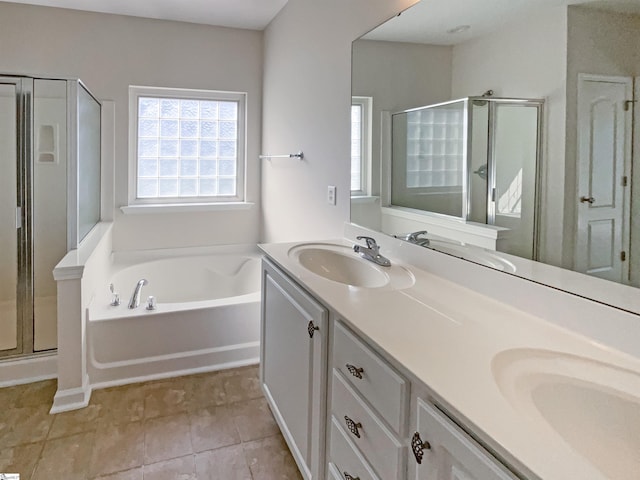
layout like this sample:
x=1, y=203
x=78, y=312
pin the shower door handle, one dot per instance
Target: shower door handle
x=18, y=218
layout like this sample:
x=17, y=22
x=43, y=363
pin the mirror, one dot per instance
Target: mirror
x=582, y=58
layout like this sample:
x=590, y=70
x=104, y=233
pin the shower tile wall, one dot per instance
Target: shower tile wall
x=49, y=204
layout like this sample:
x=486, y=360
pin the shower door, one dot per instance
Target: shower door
x=15, y=334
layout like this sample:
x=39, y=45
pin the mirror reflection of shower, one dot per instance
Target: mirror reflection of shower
x=50, y=147
x=474, y=159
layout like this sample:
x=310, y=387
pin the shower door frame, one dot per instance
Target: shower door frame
x=23, y=207
x=491, y=164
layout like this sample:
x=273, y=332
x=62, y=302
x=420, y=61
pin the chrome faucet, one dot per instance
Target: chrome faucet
x=371, y=252
x=414, y=237
x=135, y=298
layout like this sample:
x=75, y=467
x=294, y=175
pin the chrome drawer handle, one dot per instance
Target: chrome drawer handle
x=353, y=426
x=355, y=371
x=349, y=477
x=418, y=447
x=311, y=328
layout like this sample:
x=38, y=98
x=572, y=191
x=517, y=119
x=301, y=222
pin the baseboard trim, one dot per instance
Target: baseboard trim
x=19, y=371
x=72, y=398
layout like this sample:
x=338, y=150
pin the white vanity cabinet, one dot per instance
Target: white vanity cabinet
x=369, y=407
x=441, y=450
x=293, y=366
x=377, y=424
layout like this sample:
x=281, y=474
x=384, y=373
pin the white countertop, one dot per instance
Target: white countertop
x=457, y=342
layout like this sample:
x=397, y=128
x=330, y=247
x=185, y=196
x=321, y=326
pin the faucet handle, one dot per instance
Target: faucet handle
x=370, y=241
x=115, y=297
x=412, y=237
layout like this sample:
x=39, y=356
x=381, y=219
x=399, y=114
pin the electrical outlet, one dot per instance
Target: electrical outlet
x=331, y=194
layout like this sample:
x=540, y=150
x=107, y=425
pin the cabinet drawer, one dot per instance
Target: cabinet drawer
x=345, y=458
x=376, y=442
x=380, y=384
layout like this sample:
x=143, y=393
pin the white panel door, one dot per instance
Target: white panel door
x=604, y=150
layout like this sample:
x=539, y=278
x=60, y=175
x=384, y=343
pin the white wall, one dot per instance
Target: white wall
x=398, y=76
x=605, y=44
x=307, y=98
x=527, y=60
x=109, y=53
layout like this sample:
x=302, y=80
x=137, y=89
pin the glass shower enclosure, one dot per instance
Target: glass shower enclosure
x=49, y=199
x=474, y=159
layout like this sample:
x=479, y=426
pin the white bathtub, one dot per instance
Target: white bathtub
x=207, y=315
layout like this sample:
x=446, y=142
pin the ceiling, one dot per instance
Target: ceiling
x=430, y=20
x=249, y=14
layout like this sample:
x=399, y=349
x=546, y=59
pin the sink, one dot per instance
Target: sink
x=339, y=263
x=474, y=254
x=592, y=406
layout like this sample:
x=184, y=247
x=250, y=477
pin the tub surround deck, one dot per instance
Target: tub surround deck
x=457, y=342
x=101, y=346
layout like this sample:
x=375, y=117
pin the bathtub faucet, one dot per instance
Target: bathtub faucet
x=135, y=298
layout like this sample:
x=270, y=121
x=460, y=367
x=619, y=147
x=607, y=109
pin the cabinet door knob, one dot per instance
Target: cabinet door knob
x=355, y=371
x=418, y=447
x=353, y=426
x=349, y=477
x=311, y=328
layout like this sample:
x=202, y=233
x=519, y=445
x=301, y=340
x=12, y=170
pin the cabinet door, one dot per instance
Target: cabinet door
x=449, y=453
x=293, y=366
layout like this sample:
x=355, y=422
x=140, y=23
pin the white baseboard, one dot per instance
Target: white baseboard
x=72, y=398
x=28, y=370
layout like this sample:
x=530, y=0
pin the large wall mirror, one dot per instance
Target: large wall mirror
x=510, y=133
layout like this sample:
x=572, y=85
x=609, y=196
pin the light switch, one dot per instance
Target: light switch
x=331, y=194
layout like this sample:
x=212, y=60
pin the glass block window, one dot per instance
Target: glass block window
x=435, y=146
x=188, y=145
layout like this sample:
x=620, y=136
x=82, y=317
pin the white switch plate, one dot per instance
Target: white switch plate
x=331, y=194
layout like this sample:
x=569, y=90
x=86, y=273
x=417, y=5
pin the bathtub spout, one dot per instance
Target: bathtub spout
x=135, y=298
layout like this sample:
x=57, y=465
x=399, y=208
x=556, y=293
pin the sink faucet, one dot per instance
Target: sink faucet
x=371, y=252
x=414, y=237
x=135, y=298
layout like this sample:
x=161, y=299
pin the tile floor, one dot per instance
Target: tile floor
x=214, y=426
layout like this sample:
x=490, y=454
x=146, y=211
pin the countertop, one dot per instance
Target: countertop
x=478, y=355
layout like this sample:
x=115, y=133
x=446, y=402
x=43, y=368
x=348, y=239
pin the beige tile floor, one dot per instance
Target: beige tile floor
x=210, y=426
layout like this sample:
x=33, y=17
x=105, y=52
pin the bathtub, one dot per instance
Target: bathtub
x=207, y=315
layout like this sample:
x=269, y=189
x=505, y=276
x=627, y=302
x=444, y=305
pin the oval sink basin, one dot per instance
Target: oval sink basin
x=592, y=406
x=339, y=263
x=474, y=254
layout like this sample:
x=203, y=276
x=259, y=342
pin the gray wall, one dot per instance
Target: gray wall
x=111, y=52
x=307, y=98
x=527, y=59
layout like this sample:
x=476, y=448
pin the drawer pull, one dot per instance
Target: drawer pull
x=349, y=477
x=353, y=426
x=311, y=328
x=418, y=447
x=355, y=371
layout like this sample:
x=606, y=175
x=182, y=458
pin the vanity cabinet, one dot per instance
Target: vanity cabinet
x=441, y=450
x=293, y=366
x=369, y=406
x=378, y=425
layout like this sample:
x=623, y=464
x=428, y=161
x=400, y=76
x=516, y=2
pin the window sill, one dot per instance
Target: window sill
x=364, y=199
x=144, y=209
